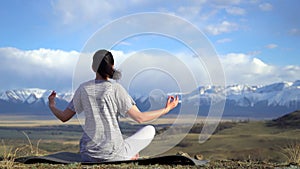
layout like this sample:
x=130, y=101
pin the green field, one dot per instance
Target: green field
x=246, y=141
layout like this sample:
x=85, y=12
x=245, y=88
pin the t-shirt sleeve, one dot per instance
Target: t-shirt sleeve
x=71, y=106
x=75, y=104
x=124, y=100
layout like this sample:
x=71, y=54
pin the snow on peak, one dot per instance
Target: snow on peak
x=32, y=98
x=22, y=95
x=275, y=87
x=31, y=95
x=283, y=93
x=239, y=89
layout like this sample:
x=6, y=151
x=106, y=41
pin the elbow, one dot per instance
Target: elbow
x=140, y=119
x=66, y=115
x=64, y=120
x=136, y=115
x=141, y=122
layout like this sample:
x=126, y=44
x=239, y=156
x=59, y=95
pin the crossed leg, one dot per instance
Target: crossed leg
x=138, y=141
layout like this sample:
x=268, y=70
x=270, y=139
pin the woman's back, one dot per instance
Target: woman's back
x=101, y=102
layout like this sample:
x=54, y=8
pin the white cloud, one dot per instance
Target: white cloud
x=271, y=46
x=193, y=10
x=224, y=4
x=224, y=27
x=153, y=69
x=236, y=11
x=205, y=10
x=94, y=12
x=291, y=71
x=244, y=69
x=253, y=1
x=41, y=68
x=38, y=61
x=265, y=7
x=259, y=67
x=254, y=53
x=225, y=40
x=238, y=68
x=79, y=12
x=50, y=69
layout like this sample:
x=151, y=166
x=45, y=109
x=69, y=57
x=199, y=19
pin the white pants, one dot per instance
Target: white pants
x=138, y=141
x=133, y=144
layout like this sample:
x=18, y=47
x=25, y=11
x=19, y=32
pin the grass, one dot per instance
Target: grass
x=10, y=153
x=234, y=143
x=252, y=141
x=8, y=156
x=292, y=152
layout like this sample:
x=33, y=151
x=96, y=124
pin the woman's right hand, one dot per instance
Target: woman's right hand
x=171, y=103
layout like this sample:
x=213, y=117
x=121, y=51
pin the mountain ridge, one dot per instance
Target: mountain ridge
x=271, y=100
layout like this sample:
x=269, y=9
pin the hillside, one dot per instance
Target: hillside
x=291, y=120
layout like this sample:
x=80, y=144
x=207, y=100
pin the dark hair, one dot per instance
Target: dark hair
x=105, y=68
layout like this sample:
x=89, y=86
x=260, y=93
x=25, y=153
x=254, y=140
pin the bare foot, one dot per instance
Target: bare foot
x=135, y=157
x=198, y=157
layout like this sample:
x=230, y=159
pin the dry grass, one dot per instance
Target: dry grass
x=33, y=150
x=292, y=152
x=10, y=153
x=243, y=144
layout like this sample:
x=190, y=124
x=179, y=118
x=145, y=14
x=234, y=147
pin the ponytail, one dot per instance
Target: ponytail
x=106, y=69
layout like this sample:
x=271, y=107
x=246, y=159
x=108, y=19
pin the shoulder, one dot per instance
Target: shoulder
x=87, y=83
x=83, y=86
x=118, y=87
x=92, y=83
x=119, y=90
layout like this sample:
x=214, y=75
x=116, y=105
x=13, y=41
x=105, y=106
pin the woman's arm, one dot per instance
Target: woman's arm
x=140, y=117
x=65, y=115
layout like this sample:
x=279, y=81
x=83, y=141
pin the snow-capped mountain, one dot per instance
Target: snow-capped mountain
x=241, y=100
x=29, y=101
x=277, y=94
x=31, y=95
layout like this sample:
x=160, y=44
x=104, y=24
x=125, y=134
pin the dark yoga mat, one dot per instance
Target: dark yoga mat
x=68, y=158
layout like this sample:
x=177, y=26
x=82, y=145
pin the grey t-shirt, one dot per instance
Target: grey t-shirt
x=102, y=102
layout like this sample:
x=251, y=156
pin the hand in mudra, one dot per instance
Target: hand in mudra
x=171, y=103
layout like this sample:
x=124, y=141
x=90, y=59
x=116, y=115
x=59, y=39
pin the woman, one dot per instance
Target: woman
x=102, y=102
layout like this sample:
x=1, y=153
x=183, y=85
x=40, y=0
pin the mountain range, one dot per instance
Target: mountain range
x=265, y=101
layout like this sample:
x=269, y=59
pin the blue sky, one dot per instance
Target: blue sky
x=264, y=35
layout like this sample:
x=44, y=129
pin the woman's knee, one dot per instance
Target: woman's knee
x=150, y=130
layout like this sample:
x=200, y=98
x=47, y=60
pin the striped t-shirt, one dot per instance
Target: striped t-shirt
x=102, y=102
